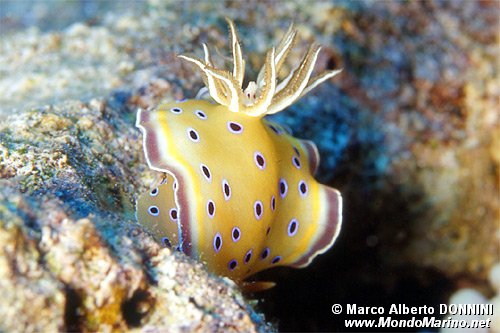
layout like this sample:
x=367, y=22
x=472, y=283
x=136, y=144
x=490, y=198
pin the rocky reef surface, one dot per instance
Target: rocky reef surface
x=72, y=256
x=409, y=132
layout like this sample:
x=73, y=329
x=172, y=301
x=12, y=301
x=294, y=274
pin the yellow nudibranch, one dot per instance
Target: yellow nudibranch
x=239, y=193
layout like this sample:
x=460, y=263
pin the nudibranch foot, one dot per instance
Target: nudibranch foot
x=240, y=195
x=256, y=286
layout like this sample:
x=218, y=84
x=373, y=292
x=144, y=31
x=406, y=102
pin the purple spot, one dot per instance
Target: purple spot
x=273, y=203
x=236, y=234
x=193, y=135
x=217, y=242
x=226, y=189
x=276, y=260
x=248, y=256
x=302, y=188
x=267, y=231
x=173, y=214
x=283, y=187
x=153, y=210
x=210, y=208
x=176, y=110
x=166, y=242
x=293, y=226
x=265, y=253
x=259, y=160
x=234, y=127
x=258, y=209
x=154, y=192
x=232, y=264
x=206, y=172
x=296, y=151
x=201, y=114
x=296, y=162
x=174, y=186
x=275, y=129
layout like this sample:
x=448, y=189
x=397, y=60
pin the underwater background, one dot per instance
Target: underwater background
x=409, y=133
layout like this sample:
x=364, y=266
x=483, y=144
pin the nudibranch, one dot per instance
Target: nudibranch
x=238, y=192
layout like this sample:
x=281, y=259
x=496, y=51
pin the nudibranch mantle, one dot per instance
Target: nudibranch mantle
x=240, y=194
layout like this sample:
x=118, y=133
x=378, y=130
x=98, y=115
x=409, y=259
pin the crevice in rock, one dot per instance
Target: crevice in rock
x=137, y=307
x=71, y=315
